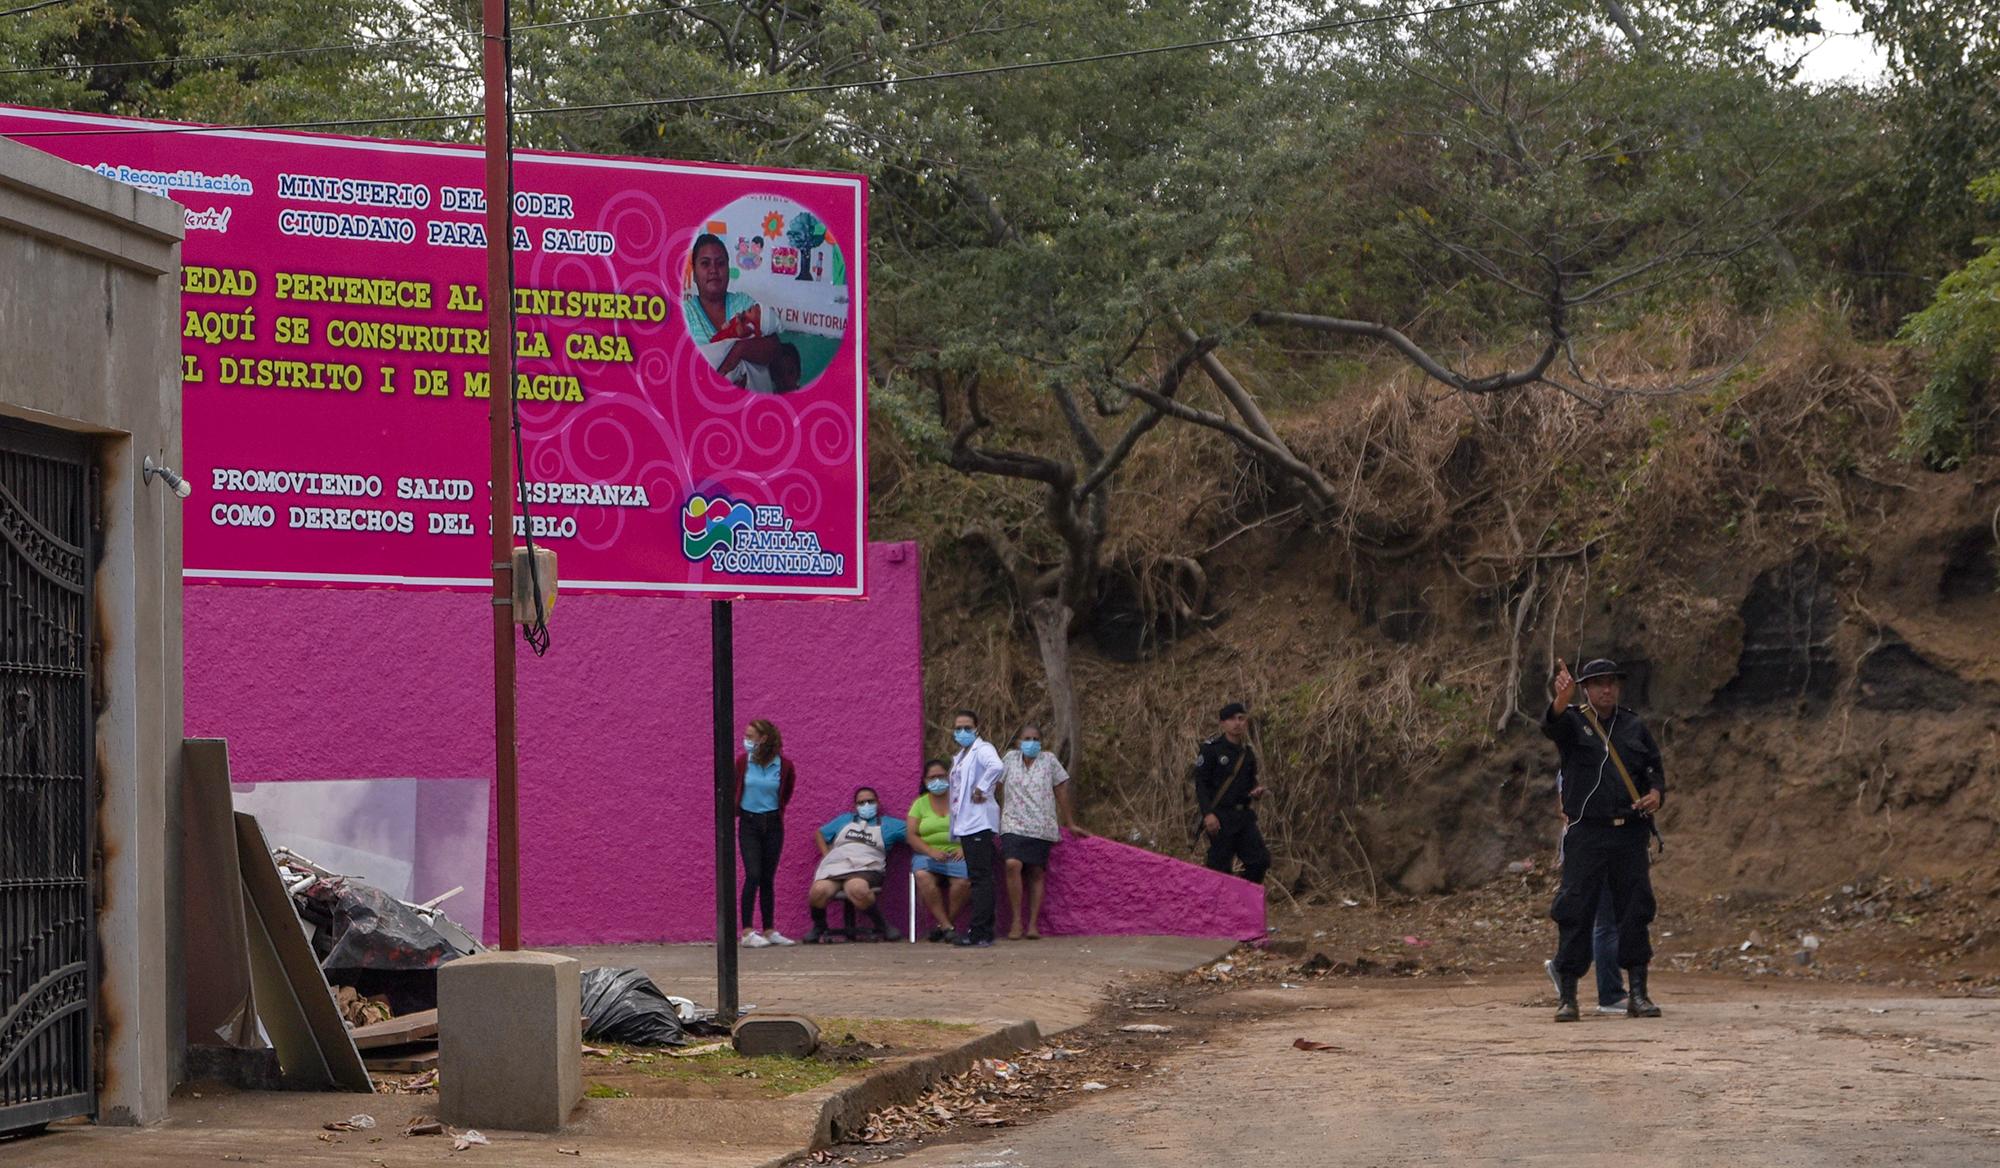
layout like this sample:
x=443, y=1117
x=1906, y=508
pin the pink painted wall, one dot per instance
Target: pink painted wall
x=1098, y=886
x=617, y=836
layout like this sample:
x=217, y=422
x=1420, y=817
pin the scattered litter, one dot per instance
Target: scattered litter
x=1809, y=941
x=468, y=1138
x=623, y=1005
x=1146, y=1028
x=595, y=1052
x=1315, y=965
x=697, y=1051
x=1519, y=867
x=569, y=1151
x=994, y=1068
x=353, y=1123
x=1346, y=902
x=423, y=1125
x=1285, y=985
x=1309, y=1044
x=1418, y=942
x=1094, y=1085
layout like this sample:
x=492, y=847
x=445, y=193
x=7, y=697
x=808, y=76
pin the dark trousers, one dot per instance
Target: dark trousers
x=978, y=849
x=1604, y=953
x=1239, y=839
x=1604, y=861
x=760, y=836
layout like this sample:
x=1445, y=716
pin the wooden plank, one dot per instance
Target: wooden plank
x=397, y=1031
x=215, y=954
x=402, y=1060
x=265, y=893
x=278, y=1008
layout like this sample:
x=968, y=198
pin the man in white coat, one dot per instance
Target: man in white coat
x=975, y=819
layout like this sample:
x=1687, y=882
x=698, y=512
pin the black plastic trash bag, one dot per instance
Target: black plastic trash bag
x=623, y=1005
x=359, y=927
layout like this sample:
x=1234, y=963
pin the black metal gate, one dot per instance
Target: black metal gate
x=48, y=811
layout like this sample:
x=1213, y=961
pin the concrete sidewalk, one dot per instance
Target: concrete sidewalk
x=1056, y=983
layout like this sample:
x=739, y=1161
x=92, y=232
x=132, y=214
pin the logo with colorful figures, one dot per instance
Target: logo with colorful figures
x=740, y=539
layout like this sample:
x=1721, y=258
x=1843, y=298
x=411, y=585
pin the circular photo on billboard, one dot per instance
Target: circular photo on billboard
x=766, y=294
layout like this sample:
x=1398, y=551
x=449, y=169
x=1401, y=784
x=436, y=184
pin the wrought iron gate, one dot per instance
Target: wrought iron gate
x=48, y=809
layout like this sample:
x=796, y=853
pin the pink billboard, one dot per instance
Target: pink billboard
x=690, y=344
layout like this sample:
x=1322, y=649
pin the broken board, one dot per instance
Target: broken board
x=402, y=1060
x=398, y=1031
x=283, y=968
x=215, y=953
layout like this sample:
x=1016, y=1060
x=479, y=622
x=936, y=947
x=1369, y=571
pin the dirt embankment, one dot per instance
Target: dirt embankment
x=1813, y=626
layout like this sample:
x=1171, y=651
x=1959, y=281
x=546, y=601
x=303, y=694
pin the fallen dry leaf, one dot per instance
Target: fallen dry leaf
x=1309, y=1044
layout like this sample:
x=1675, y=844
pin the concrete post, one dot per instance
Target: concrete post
x=510, y=1041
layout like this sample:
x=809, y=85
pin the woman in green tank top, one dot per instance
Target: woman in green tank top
x=943, y=883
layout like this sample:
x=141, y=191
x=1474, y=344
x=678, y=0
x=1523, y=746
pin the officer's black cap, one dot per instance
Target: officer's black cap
x=1230, y=711
x=1599, y=668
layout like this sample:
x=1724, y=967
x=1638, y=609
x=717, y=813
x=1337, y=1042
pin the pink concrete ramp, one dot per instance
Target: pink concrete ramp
x=1101, y=887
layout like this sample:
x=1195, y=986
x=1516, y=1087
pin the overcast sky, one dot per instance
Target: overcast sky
x=1843, y=53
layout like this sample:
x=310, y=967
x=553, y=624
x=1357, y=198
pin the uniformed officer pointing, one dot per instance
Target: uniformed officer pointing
x=1225, y=786
x=1606, y=809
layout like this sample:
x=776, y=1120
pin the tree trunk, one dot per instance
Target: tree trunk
x=1051, y=617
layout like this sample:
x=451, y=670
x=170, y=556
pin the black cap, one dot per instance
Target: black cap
x=1230, y=711
x=1599, y=668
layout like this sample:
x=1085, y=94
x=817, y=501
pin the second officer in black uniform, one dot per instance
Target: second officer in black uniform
x=1606, y=829
x=1225, y=786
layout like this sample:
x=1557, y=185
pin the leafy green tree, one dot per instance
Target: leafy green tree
x=1960, y=332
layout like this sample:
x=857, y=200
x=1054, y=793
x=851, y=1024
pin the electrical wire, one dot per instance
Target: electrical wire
x=209, y=58
x=672, y=8
x=536, y=632
x=827, y=87
x=362, y=46
x=31, y=7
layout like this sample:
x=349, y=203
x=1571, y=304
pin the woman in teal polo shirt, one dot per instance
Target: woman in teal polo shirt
x=764, y=783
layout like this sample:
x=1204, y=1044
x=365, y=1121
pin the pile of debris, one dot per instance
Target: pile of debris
x=991, y=1094
x=380, y=957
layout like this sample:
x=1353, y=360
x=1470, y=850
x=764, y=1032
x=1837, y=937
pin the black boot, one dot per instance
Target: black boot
x=884, y=929
x=1566, y=1010
x=1637, y=1004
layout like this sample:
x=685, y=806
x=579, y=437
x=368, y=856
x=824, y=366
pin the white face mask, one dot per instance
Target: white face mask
x=865, y=810
x=749, y=746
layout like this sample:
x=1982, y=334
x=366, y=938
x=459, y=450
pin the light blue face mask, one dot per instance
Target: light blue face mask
x=750, y=746
x=865, y=810
x=963, y=736
x=1030, y=748
x=937, y=786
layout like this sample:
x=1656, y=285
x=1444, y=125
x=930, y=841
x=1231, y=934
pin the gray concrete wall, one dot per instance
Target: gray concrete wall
x=89, y=323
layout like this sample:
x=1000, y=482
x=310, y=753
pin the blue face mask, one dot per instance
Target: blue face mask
x=749, y=746
x=937, y=786
x=1030, y=748
x=962, y=736
x=865, y=810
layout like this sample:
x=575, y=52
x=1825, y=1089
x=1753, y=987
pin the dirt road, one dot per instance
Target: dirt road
x=1473, y=1073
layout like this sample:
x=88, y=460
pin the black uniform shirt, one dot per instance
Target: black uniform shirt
x=1213, y=765
x=1591, y=788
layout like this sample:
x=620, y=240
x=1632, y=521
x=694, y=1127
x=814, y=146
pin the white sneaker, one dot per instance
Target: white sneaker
x=1617, y=1007
x=774, y=937
x=751, y=940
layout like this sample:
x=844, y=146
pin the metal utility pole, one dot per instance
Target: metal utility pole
x=500, y=412
x=722, y=680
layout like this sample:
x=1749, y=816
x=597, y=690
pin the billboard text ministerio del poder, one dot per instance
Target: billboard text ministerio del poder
x=690, y=344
